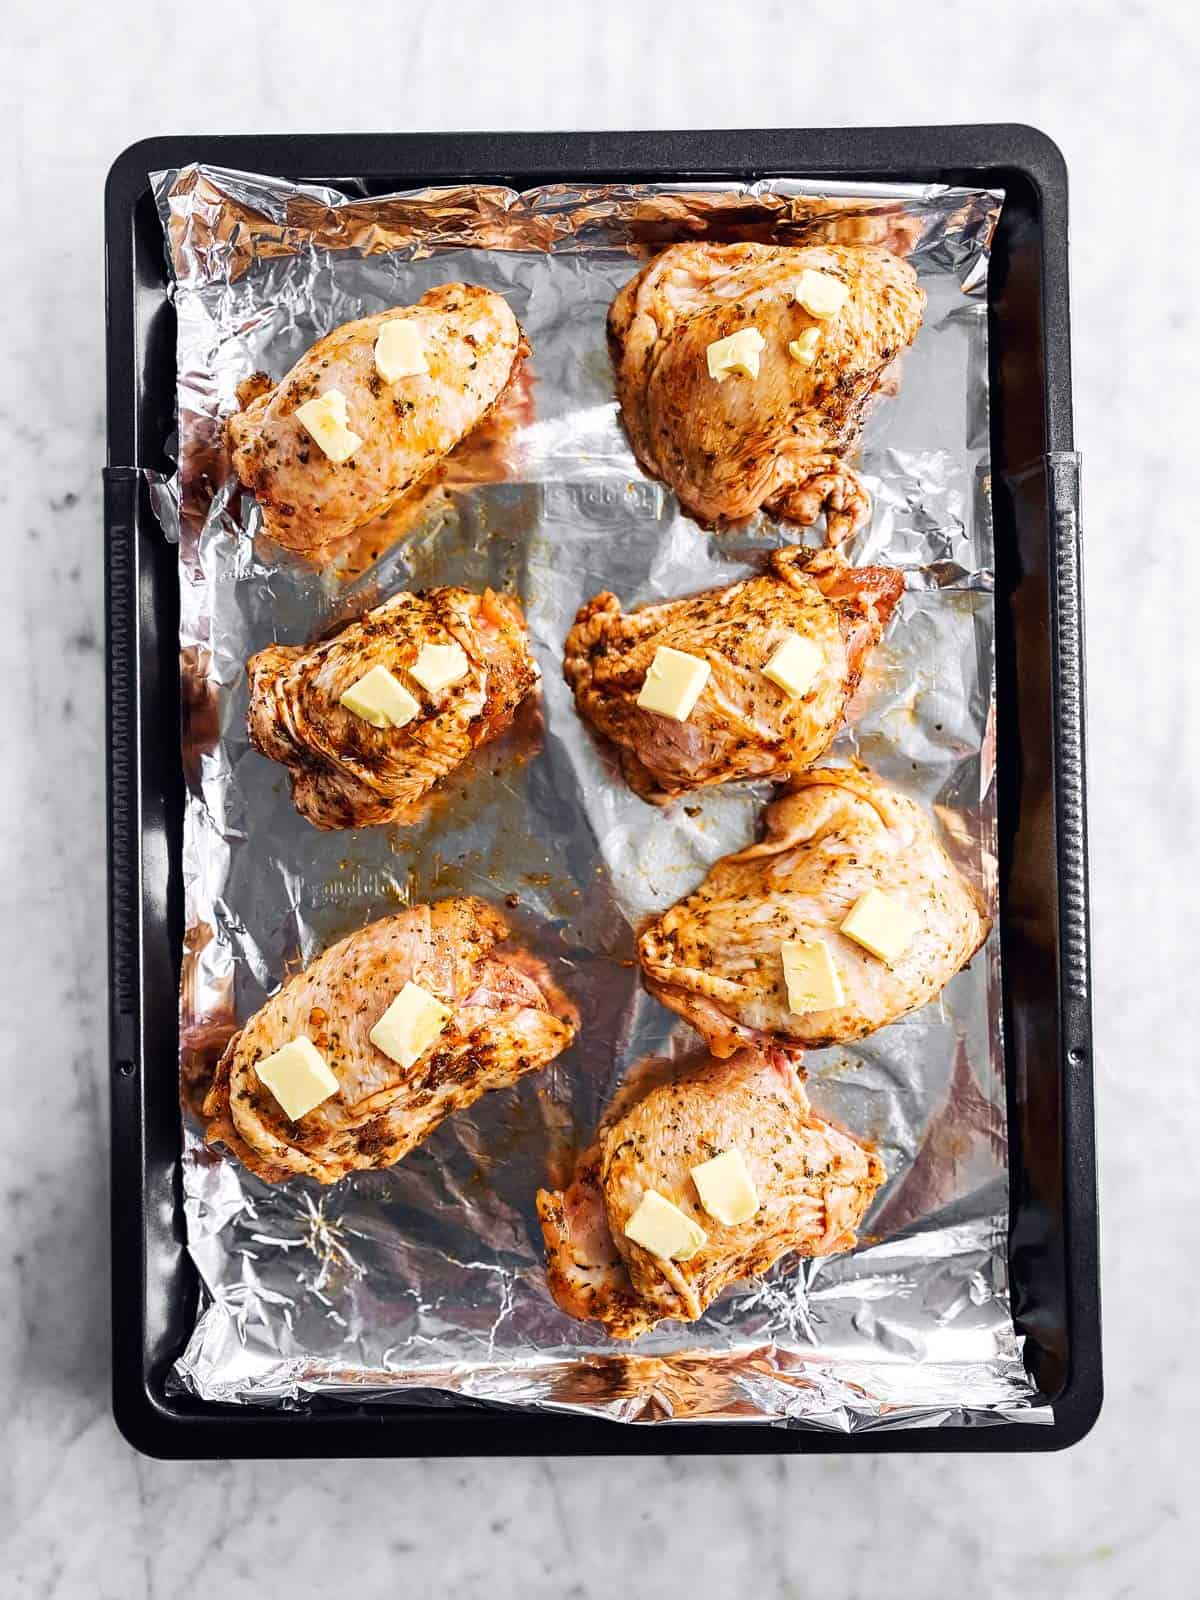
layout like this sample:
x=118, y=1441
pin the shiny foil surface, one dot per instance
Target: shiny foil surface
x=425, y=1283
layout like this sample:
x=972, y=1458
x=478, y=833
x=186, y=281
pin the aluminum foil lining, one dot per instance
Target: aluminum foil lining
x=425, y=1283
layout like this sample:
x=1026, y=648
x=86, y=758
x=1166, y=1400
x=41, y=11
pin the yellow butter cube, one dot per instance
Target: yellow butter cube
x=415, y=1020
x=399, y=352
x=804, y=347
x=380, y=699
x=663, y=1229
x=821, y=293
x=298, y=1076
x=726, y=1188
x=674, y=683
x=813, y=983
x=794, y=665
x=881, y=925
x=327, y=420
x=738, y=352
x=438, y=666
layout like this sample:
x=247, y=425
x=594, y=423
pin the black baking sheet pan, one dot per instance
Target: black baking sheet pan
x=1040, y=771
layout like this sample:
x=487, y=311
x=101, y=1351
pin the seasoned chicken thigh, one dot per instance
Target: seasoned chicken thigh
x=730, y=444
x=346, y=771
x=812, y=1184
x=506, y=1018
x=717, y=958
x=744, y=725
x=470, y=346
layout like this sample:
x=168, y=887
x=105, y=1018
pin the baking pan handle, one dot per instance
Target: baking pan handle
x=124, y=871
x=1063, y=480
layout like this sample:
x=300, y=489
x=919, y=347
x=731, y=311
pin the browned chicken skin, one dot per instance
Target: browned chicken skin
x=814, y=1183
x=347, y=773
x=779, y=440
x=743, y=725
x=715, y=958
x=474, y=347
x=509, y=1019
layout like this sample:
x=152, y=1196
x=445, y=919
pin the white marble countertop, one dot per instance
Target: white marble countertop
x=80, y=1513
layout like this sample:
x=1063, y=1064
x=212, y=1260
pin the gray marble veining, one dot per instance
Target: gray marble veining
x=80, y=1514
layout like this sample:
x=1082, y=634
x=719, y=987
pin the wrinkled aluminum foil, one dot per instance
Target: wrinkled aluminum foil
x=426, y=1282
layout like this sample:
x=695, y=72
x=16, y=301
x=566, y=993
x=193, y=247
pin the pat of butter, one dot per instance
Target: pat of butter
x=795, y=665
x=812, y=979
x=881, y=925
x=328, y=422
x=820, y=293
x=739, y=352
x=298, y=1076
x=663, y=1229
x=399, y=352
x=673, y=684
x=413, y=1021
x=380, y=699
x=726, y=1188
x=804, y=347
x=439, y=665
